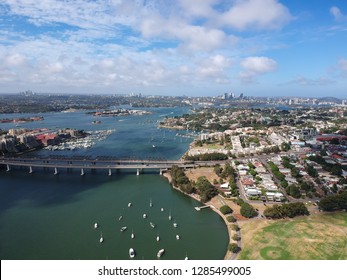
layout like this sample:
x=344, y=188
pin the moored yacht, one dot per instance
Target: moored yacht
x=101, y=238
x=160, y=253
x=131, y=253
x=96, y=225
x=129, y=204
x=123, y=229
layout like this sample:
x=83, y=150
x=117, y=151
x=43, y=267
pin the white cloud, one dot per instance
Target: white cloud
x=255, y=66
x=257, y=14
x=303, y=81
x=198, y=8
x=259, y=64
x=15, y=59
x=337, y=14
x=215, y=67
x=117, y=44
x=343, y=64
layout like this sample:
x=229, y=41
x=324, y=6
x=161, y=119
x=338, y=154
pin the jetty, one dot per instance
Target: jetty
x=201, y=207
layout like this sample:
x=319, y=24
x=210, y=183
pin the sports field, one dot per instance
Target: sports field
x=317, y=237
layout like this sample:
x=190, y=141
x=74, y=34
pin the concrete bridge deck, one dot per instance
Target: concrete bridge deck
x=59, y=163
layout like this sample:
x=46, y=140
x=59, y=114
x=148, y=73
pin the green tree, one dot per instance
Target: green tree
x=233, y=247
x=236, y=237
x=248, y=210
x=336, y=170
x=225, y=209
x=231, y=219
x=334, y=202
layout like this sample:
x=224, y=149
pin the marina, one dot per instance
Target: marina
x=81, y=143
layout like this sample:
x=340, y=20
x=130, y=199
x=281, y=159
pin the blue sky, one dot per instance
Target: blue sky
x=195, y=47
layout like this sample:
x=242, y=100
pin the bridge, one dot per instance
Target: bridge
x=100, y=163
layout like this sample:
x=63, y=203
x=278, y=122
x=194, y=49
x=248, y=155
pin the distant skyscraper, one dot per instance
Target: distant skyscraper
x=241, y=95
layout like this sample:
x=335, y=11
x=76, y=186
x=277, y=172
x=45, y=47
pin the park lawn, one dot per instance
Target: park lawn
x=208, y=172
x=320, y=236
x=215, y=146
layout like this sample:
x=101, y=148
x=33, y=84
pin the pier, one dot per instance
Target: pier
x=201, y=207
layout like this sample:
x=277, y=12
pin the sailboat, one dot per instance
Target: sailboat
x=178, y=237
x=101, y=238
x=158, y=238
x=186, y=258
x=132, y=235
x=131, y=253
x=160, y=253
x=170, y=217
x=96, y=225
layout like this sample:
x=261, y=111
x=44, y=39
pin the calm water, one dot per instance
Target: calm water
x=43, y=216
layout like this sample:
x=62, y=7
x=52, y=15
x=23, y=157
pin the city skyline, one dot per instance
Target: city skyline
x=193, y=48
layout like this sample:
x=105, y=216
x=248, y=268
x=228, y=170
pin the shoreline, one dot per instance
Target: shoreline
x=213, y=207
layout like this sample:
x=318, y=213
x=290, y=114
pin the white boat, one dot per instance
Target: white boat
x=160, y=253
x=186, y=258
x=153, y=146
x=175, y=224
x=178, y=237
x=131, y=253
x=132, y=235
x=158, y=238
x=150, y=203
x=152, y=225
x=129, y=204
x=120, y=217
x=96, y=225
x=101, y=238
x=123, y=229
x=144, y=216
x=170, y=217
x=161, y=209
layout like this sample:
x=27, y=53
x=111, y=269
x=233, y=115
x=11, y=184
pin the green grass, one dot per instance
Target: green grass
x=322, y=236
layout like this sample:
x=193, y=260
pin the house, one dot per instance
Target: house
x=275, y=196
x=253, y=192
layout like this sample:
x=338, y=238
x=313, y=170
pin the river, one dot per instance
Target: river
x=43, y=216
